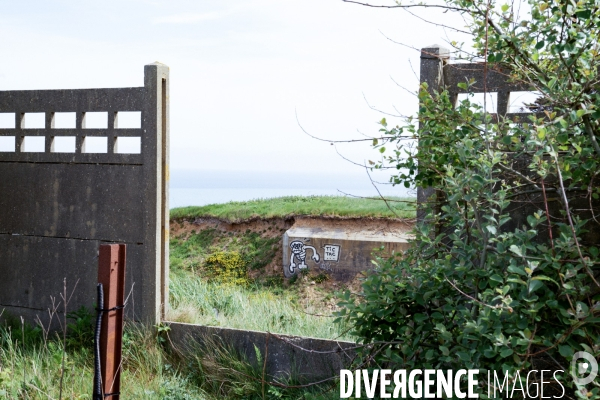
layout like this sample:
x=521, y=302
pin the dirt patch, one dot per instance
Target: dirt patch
x=358, y=225
x=268, y=228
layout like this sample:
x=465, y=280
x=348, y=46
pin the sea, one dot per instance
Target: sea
x=198, y=188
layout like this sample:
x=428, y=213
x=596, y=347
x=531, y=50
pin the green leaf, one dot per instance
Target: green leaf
x=420, y=318
x=562, y=138
x=506, y=352
x=584, y=14
x=565, y=351
x=541, y=133
x=489, y=353
x=462, y=85
x=534, y=285
x=516, y=280
x=515, y=250
x=563, y=122
x=445, y=350
x=516, y=270
x=533, y=221
x=505, y=7
x=544, y=278
x=539, y=45
x=491, y=229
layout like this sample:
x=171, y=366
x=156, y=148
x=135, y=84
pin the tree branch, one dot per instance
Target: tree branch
x=409, y=6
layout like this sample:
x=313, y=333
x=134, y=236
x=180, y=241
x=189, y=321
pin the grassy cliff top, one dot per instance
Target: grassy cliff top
x=329, y=206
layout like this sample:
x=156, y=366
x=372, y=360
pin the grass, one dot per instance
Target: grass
x=213, y=279
x=30, y=368
x=257, y=307
x=338, y=206
x=201, y=291
x=189, y=253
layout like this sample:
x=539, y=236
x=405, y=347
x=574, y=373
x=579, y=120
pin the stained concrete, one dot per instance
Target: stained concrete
x=339, y=249
x=57, y=208
x=306, y=359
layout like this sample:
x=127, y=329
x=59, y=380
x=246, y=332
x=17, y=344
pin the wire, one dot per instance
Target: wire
x=97, y=375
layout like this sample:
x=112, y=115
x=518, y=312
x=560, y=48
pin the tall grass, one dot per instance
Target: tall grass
x=338, y=206
x=30, y=367
x=196, y=301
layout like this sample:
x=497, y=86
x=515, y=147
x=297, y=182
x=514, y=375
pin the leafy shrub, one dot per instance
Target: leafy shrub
x=227, y=267
x=503, y=272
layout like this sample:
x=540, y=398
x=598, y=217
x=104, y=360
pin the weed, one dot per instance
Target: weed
x=258, y=251
x=321, y=277
x=249, y=307
x=225, y=373
x=80, y=331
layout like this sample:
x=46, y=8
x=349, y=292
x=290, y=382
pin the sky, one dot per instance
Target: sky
x=247, y=76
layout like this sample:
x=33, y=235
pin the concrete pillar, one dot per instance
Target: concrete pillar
x=433, y=59
x=156, y=160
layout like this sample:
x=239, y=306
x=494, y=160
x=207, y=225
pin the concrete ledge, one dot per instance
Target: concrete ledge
x=307, y=359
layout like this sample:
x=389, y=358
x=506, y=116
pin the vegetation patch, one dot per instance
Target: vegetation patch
x=227, y=267
x=31, y=366
x=231, y=275
x=281, y=207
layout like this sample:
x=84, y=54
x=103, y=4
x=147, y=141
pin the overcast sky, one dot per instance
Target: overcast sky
x=240, y=70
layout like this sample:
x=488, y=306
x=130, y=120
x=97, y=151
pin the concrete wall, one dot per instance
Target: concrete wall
x=341, y=252
x=307, y=359
x=56, y=208
x=439, y=74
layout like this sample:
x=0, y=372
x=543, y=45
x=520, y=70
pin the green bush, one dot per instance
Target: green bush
x=227, y=267
x=480, y=288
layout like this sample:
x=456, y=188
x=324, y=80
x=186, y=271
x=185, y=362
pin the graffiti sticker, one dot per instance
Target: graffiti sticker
x=331, y=252
x=299, y=253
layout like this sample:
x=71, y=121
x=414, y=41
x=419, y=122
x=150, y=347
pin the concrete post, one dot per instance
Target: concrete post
x=433, y=59
x=156, y=157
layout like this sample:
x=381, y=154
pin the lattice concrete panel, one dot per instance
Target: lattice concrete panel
x=59, y=203
x=440, y=74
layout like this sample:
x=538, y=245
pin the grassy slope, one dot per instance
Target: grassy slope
x=339, y=206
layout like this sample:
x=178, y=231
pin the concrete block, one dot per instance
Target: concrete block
x=339, y=249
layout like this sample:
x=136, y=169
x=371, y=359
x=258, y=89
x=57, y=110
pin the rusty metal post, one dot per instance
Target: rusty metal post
x=111, y=274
